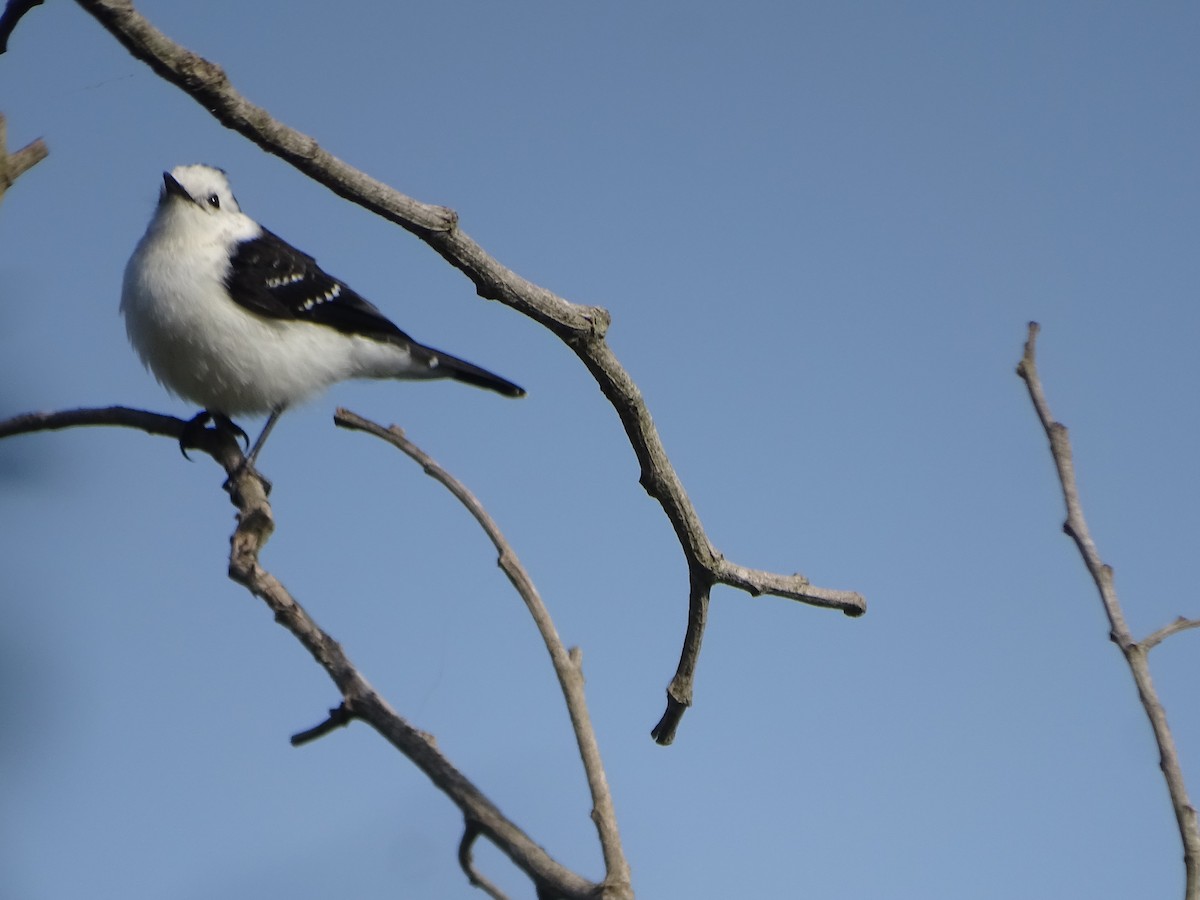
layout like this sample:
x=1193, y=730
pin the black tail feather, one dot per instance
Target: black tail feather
x=461, y=370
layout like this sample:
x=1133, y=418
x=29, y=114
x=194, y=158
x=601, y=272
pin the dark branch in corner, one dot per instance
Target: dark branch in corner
x=582, y=328
x=13, y=11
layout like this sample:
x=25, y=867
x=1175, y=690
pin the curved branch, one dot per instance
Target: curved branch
x=566, y=667
x=255, y=524
x=467, y=864
x=122, y=416
x=582, y=328
x=679, y=691
x=1135, y=653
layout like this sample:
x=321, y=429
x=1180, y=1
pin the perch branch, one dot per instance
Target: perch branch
x=568, y=669
x=582, y=328
x=1135, y=653
x=255, y=523
x=123, y=416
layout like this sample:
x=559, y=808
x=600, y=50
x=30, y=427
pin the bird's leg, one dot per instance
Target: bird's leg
x=262, y=438
x=247, y=463
x=195, y=426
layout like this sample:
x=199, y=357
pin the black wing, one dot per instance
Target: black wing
x=269, y=276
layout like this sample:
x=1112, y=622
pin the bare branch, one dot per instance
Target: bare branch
x=582, y=328
x=13, y=11
x=216, y=444
x=255, y=523
x=1135, y=653
x=566, y=667
x=1180, y=624
x=679, y=691
x=14, y=165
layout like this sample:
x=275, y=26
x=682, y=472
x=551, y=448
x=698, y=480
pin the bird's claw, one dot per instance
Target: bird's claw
x=196, y=425
x=225, y=422
x=192, y=430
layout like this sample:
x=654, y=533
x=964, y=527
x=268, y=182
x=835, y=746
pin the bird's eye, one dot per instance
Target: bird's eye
x=214, y=201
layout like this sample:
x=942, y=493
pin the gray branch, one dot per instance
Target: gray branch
x=1180, y=624
x=14, y=165
x=567, y=667
x=1135, y=652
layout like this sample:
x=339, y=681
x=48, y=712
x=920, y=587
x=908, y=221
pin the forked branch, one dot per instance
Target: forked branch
x=1135, y=652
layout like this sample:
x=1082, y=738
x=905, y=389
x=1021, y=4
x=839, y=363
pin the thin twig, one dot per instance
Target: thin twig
x=567, y=668
x=1135, y=653
x=255, y=523
x=14, y=165
x=582, y=328
x=1180, y=624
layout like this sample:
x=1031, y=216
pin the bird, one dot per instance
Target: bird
x=231, y=317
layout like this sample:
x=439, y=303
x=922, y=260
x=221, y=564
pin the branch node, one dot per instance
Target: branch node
x=448, y=216
x=198, y=72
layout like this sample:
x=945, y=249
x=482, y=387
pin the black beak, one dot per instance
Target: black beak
x=171, y=187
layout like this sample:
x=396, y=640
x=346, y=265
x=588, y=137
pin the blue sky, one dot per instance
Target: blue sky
x=820, y=230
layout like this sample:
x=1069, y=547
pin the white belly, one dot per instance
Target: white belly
x=206, y=349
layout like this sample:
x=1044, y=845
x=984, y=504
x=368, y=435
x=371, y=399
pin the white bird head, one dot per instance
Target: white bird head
x=204, y=186
x=197, y=206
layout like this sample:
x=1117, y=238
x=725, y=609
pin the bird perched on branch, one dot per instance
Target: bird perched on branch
x=233, y=318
